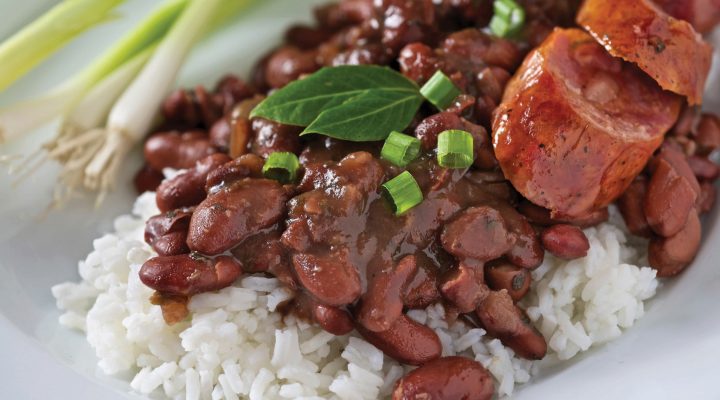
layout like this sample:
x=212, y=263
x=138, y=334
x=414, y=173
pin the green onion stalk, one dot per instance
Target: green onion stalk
x=24, y=117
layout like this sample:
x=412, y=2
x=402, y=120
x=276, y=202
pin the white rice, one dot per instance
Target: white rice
x=236, y=346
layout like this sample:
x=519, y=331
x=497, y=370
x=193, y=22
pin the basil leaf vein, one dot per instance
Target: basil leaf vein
x=352, y=102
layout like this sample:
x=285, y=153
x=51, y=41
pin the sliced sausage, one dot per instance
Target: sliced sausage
x=479, y=233
x=704, y=15
x=514, y=279
x=632, y=208
x=577, y=125
x=447, y=378
x=667, y=49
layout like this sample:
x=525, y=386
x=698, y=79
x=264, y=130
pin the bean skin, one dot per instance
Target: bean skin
x=670, y=256
x=236, y=212
x=167, y=233
x=707, y=136
x=708, y=194
x=176, y=150
x=422, y=290
x=669, y=200
x=406, y=341
x=333, y=319
x=703, y=168
x=515, y=280
x=245, y=166
x=331, y=279
x=447, y=378
x=632, y=208
x=188, y=188
x=187, y=275
x=382, y=304
x=147, y=179
x=505, y=321
x=527, y=252
x=565, y=241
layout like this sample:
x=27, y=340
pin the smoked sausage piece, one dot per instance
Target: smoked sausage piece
x=667, y=49
x=577, y=125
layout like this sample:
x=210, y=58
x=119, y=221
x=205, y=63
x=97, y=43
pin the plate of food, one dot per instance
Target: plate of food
x=359, y=199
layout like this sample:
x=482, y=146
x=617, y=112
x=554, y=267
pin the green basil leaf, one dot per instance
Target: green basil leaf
x=368, y=117
x=323, y=100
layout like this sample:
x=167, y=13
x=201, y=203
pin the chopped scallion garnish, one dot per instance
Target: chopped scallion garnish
x=455, y=149
x=400, y=149
x=282, y=167
x=440, y=90
x=403, y=192
x=508, y=18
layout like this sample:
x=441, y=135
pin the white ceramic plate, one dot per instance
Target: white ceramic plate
x=671, y=353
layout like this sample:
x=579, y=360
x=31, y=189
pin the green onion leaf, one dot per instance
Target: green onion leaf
x=508, y=18
x=440, y=90
x=455, y=149
x=52, y=31
x=403, y=192
x=282, y=167
x=400, y=149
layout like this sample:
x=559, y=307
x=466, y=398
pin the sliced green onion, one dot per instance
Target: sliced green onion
x=53, y=30
x=400, y=149
x=455, y=149
x=403, y=192
x=282, y=167
x=440, y=90
x=508, y=18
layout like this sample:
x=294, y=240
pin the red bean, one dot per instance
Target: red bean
x=176, y=150
x=632, y=208
x=465, y=287
x=227, y=217
x=565, y=241
x=515, y=280
x=187, y=275
x=382, y=303
x=542, y=216
x=333, y=319
x=703, y=168
x=670, y=256
x=245, y=166
x=306, y=37
x=188, y=188
x=271, y=136
x=669, y=200
x=708, y=194
x=147, y=179
x=447, y=378
x=479, y=233
x=505, y=321
x=331, y=279
x=406, y=341
x=707, y=136
x=422, y=290
x=287, y=64
x=167, y=233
